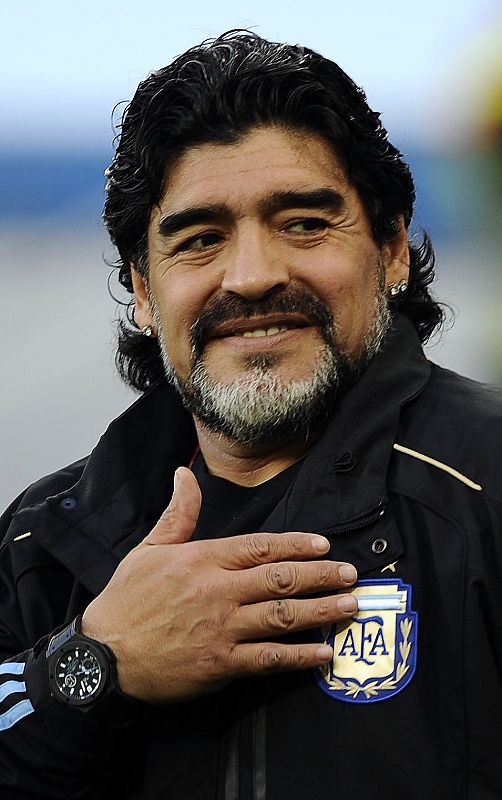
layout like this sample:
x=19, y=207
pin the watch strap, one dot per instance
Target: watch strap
x=60, y=638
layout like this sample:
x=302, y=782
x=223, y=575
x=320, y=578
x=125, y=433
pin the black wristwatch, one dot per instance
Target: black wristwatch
x=82, y=672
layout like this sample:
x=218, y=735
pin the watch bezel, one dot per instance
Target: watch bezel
x=71, y=647
x=68, y=640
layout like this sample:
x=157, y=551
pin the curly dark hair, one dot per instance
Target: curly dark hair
x=215, y=93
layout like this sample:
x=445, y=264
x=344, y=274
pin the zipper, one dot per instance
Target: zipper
x=246, y=758
x=357, y=524
x=231, y=754
x=259, y=750
x=251, y=753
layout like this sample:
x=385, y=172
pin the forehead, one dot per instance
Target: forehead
x=262, y=161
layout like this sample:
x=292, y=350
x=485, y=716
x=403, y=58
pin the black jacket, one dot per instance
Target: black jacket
x=405, y=482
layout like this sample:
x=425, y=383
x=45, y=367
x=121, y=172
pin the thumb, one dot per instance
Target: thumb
x=179, y=519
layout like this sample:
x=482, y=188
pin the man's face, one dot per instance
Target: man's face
x=263, y=273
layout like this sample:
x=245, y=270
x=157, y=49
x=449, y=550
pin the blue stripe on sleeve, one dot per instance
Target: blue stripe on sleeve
x=12, y=668
x=17, y=712
x=11, y=687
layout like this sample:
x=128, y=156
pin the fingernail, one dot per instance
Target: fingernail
x=324, y=653
x=347, y=573
x=347, y=603
x=320, y=543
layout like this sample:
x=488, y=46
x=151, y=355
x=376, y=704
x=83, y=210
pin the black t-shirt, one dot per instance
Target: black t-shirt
x=229, y=509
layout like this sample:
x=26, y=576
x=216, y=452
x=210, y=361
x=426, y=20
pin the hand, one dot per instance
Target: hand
x=183, y=617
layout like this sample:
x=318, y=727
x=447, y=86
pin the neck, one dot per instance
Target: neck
x=245, y=465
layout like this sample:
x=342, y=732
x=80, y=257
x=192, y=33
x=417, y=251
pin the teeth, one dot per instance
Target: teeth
x=265, y=332
x=255, y=334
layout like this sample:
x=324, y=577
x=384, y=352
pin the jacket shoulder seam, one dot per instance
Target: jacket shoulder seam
x=439, y=465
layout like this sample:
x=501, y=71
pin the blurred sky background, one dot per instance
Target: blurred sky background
x=434, y=70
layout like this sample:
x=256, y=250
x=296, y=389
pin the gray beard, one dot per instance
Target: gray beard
x=259, y=408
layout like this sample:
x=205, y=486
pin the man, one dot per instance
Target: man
x=315, y=612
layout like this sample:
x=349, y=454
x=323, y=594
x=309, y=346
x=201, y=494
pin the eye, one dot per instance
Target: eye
x=307, y=225
x=201, y=242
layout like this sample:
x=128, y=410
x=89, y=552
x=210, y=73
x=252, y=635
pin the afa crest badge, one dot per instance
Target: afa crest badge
x=375, y=652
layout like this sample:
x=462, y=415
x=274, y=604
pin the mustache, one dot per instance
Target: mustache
x=232, y=306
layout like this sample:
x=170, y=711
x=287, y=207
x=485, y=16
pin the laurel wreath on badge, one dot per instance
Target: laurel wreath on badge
x=353, y=688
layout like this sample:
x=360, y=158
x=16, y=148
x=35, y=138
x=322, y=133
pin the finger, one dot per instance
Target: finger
x=179, y=519
x=290, y=578
x=249, y=550
x=277, y=617
x=268, y=657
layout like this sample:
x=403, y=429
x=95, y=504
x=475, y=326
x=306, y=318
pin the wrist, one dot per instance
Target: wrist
x=92, y=629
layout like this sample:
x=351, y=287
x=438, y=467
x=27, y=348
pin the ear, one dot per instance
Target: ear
x=396, y=256
x=142, y=310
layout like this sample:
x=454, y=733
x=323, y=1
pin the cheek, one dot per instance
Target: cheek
x=342, y=268
x=176, y=322
x=346, y=291
x=348, y=287
x=179, y=304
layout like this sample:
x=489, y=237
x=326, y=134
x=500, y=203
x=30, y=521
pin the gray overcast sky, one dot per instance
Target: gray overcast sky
x=68, y=63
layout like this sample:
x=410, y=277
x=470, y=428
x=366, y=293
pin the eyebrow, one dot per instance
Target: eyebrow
x=171, y=224
x=323, y=199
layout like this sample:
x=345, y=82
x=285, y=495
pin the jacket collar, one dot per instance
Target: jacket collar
x=128, y=477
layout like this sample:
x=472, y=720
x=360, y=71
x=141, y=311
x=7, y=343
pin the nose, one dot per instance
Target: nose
x=254, y=266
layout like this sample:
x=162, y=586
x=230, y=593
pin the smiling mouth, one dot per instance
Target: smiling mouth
x=272, y=331
x=258, y=328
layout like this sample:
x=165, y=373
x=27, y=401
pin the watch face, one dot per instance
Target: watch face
x=78, y=674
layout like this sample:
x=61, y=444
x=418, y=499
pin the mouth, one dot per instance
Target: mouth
x=259, y=327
